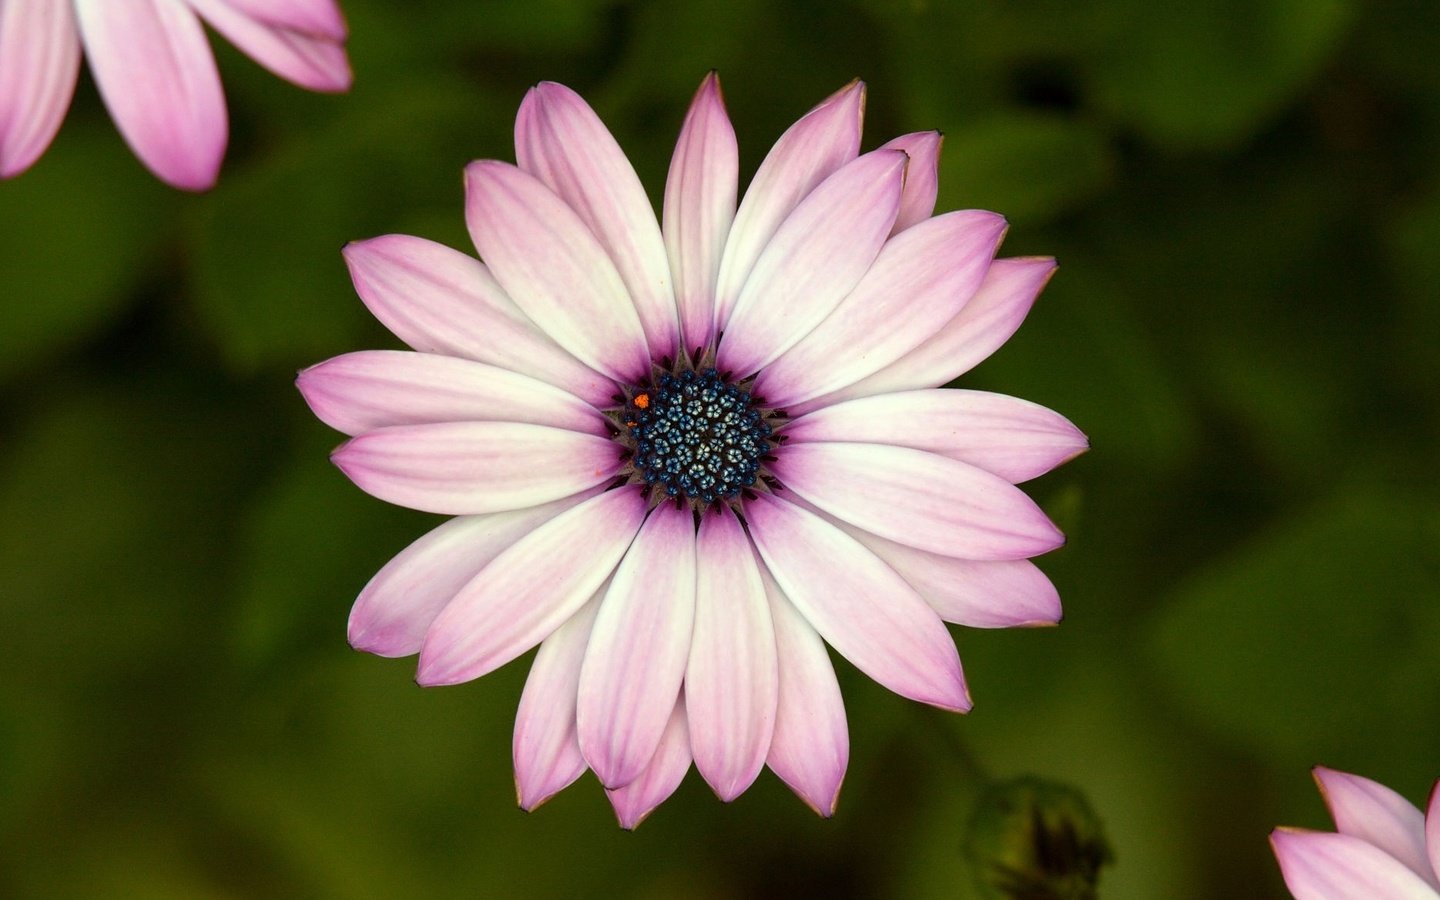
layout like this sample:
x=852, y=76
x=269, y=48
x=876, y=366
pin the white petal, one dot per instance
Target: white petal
x=858, y=604
x=440, y=300
x=560, y=140
x=532, y=587
x=699, y=208
x=920, y=499
x=666, y=769
x=545, y=748
x=1432, y=829
x=814, y=259
x=554, y=269
x=359, y=392
x=1015, y=439
x=920, y=280
x=397, y=607
x=822, y=141
x=158, y=78
x=730, y=680
x=39, y=62
x=636, y=660
x=811, y=744
x=464, y=468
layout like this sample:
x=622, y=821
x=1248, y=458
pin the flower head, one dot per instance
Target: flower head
x=684, y=457
x=1383, y=848
x=155, y=71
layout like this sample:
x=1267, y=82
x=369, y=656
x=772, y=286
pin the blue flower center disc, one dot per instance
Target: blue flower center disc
x=697, y=436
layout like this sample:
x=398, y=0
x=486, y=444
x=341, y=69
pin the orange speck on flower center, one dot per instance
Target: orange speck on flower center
x=642, y=401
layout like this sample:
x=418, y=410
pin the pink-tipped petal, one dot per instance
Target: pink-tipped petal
x=546, y=750
x=978, y=330
x=1377, y=815
x=730, y=681
x=560, y=140
x=699, y=207
x=858, y=604
x=1327, y=866
x=921, y=499
x=397, y=607
x=554, y=269
x=370, y=389
x=464, y=468
x=922, y=179
x=822, y=141
x=666, y=769
x=810, y=747
x=39, y=62
x=157, y=76
x=532, y=587
x=1010, y=593
x=439, y=300
x=920, y=280
x=321, y=18
x=314, y=62
x=636, y=660
x=815, y=258
x=1015, y=439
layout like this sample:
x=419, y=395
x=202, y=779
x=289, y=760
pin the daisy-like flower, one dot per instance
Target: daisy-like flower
x=1383, y=848
x=156, y=74
x=684, y=457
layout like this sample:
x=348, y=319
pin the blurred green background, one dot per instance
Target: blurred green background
x=1245, y=200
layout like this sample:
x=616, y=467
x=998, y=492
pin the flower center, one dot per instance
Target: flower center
x=697, y=437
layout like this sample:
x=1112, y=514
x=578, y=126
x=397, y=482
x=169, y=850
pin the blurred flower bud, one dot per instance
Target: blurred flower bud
x=1035, y=840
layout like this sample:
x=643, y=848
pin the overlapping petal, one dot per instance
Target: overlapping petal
x=560, y=140
x=922, y=177
x=635, y=801
x=1015, y=439
x=554, y=269
x=530, y=588
x=699, y=209
x=370, y=389
x=985, y=323
x=638, y=649
x=919, y=281
x=898, y=641
x=440, y=300
x=810, y=746
x=816, y=146
x=39, y=63
x=321, y=18
x=314, y=59
x=1329, y=866
x=1379, y=816
x=921, y=499
x=546, y=749
x=813, y=260
x=396, y=608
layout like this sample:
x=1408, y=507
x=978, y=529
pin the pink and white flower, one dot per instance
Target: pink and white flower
x=156, y=74
x=684, y=456
x=1383, y=848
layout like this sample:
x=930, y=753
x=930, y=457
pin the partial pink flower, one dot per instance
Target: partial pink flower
x=685, y=455
x=156, y=74
x=1383, y=847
